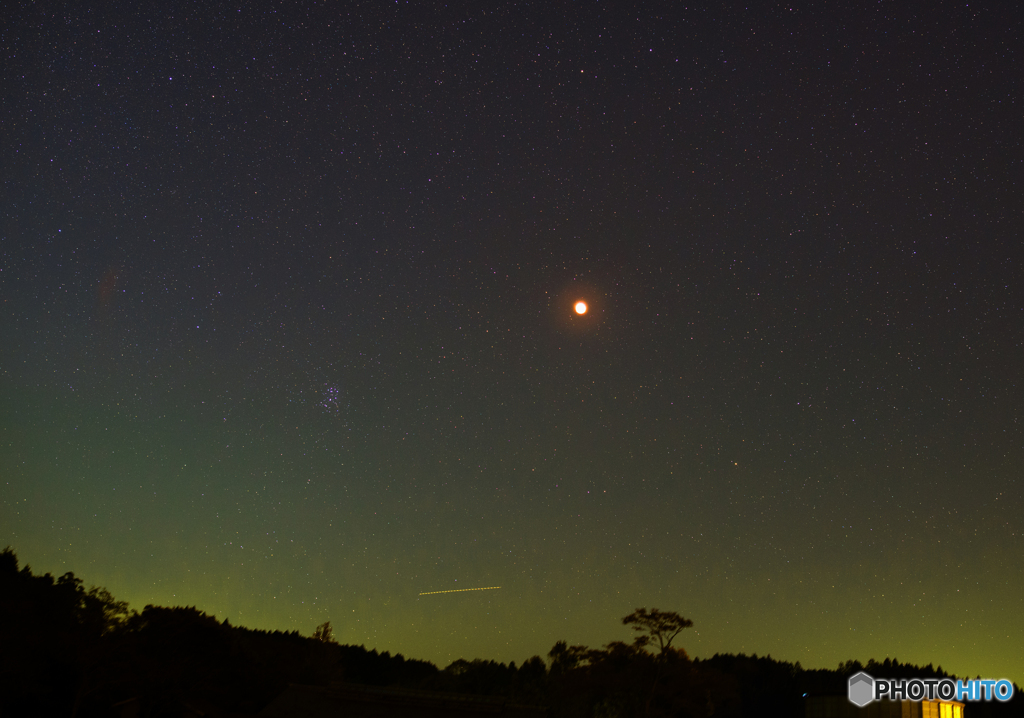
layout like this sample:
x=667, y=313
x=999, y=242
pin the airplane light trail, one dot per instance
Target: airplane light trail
x=460, y=590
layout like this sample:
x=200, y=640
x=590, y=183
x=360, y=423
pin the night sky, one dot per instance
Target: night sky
x=287, y=325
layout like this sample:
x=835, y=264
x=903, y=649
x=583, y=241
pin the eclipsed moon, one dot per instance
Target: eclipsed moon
x=581, y=307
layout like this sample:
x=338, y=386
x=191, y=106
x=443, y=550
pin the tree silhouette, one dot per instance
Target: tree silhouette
x=661, y=626
x=565, y=657
x=324, y=633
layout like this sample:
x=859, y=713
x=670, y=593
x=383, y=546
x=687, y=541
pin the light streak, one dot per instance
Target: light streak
x=460, y=590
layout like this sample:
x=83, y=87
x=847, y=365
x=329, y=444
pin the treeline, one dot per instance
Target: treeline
x=625, y=679
x=68, y=651
x=65, y=650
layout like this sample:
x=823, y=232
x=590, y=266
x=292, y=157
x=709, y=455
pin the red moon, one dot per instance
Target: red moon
x=581, y=307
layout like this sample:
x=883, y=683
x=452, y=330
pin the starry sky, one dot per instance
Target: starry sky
x=288, y=332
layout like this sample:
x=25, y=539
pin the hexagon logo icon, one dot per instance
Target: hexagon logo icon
x=861, y=689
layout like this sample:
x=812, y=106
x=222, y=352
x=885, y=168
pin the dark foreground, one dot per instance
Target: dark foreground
x=68, y=651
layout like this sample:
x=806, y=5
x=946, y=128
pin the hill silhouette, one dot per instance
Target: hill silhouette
x=68, y=651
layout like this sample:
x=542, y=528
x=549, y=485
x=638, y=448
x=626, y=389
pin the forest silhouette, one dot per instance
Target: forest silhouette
x=68, y=651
